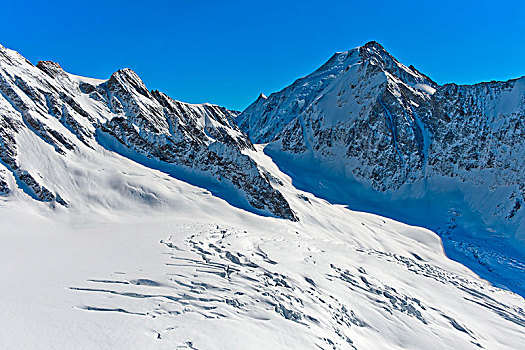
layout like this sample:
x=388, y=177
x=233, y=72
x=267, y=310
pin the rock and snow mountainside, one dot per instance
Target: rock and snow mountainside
x=388, y=125
x=110, y=242
x=69, y=113
x=364, y=118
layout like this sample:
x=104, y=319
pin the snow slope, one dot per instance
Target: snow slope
x=198, y=273
x=118, y=252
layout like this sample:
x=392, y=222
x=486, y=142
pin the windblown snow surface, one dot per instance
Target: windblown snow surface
x=129, y=257
x=157, y=263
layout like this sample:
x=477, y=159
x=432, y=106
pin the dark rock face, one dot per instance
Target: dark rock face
x=9, y=127
x=478, y=136
x=199, y=138
x=4, y=186
x=176, y=136
x=365, y=109
x=387, y=125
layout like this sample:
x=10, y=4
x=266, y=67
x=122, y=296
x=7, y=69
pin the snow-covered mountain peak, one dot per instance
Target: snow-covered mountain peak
x=50, y=67
x=353, y=81
x=372, y=44
x=364, y=118
x=375, y=54
x=12, y=56
x=45, y=108
x=129, y=80
x=373, y=49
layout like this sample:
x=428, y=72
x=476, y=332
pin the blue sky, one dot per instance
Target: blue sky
x=227, y=52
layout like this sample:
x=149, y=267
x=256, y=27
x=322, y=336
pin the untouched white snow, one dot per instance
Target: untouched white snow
x=91, y=81
x=425, y=88
x=151, y=262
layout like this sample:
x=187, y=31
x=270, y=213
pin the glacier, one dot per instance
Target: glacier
x=132, y=220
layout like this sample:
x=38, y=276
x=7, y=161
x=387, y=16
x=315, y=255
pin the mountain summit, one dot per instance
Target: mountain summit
x=366, y=115
x=390, y=140
x=349, y=81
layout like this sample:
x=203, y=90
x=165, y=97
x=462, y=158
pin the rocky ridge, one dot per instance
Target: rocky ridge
x=75, y=115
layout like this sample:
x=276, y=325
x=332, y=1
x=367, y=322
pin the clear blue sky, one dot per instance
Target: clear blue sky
x=227, y=52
